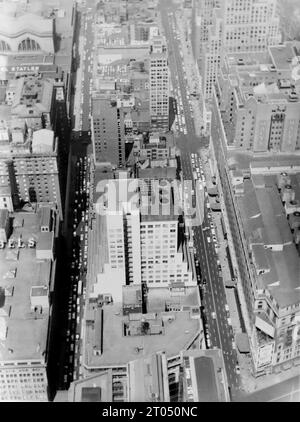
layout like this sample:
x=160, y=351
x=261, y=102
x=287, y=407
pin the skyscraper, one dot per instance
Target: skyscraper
x=237, y=26
x=108, y=135
x=260, y=101
x=159, y=85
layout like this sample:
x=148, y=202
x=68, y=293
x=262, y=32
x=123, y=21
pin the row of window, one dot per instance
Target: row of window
x=26, y=45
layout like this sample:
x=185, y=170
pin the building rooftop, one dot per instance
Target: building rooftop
x=13, y=26
x=207, y=375
x=96, y=388
x=148, y=379
x=44, y=241
x=266, y=226
x=43, y=141
x=119, y=349
x=32, y=97
x=166, y=172
x=24, y=330
x=283, y=56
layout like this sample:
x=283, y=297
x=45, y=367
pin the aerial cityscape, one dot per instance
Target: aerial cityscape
x=150, y=201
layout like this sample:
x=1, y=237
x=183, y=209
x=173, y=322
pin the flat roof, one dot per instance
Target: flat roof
x=206, y=382
x=96, y=388
x=44, y=241
x=19, y=272
x=157, y=172
x=147, y=379
x=285, y=269
x=242, y=342
x=208, y=366
x=119, y=349
x=11, y=26
x=282, y=56
x=265, y=224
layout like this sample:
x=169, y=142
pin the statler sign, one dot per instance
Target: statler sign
x=24, y=68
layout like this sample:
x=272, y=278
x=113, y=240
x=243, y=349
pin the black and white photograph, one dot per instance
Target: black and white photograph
x=149, y=204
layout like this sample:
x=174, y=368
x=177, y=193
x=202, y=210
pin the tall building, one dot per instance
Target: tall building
x=159, y=85
x=27, y=281
x=142, y=243
x=236, y=26
x=33, y=158
x=108, y=137
x=259, y=197
x=28, y=40
x=202, y=18
x=260, y=100
x=25, y=33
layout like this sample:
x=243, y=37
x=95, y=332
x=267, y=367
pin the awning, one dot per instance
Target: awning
x=230, y=283
x=215, y=206
x=262, y=322
x=242, y=342
x=213, y=191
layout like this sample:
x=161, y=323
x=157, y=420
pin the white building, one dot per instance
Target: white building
x=27, y=33
x=140, y=246
x=247, y=26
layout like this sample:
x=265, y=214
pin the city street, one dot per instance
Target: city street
x=214, y=297
x=76, y=218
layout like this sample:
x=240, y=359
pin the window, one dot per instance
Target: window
x=29, y=45
x=4, y=46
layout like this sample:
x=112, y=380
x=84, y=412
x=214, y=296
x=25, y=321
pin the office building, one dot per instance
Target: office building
x=249, y=26
x=158, y=146
x=259, y=100
x=141, y=32
x=259, y=197
x=159, y=85
x=141, y=243
x=27, y=282
x=33, y=157
x=108, y=136
x=202, y=18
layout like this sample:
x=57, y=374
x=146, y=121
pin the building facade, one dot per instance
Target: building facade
x=108, y=136
x=237, y=27
x=257, y=204
x=159, y=85
x=35, y=141
x=26, y=306
x=27, y=33
x=260, y=101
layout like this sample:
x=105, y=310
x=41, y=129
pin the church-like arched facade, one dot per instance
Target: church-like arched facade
x=27, y=33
